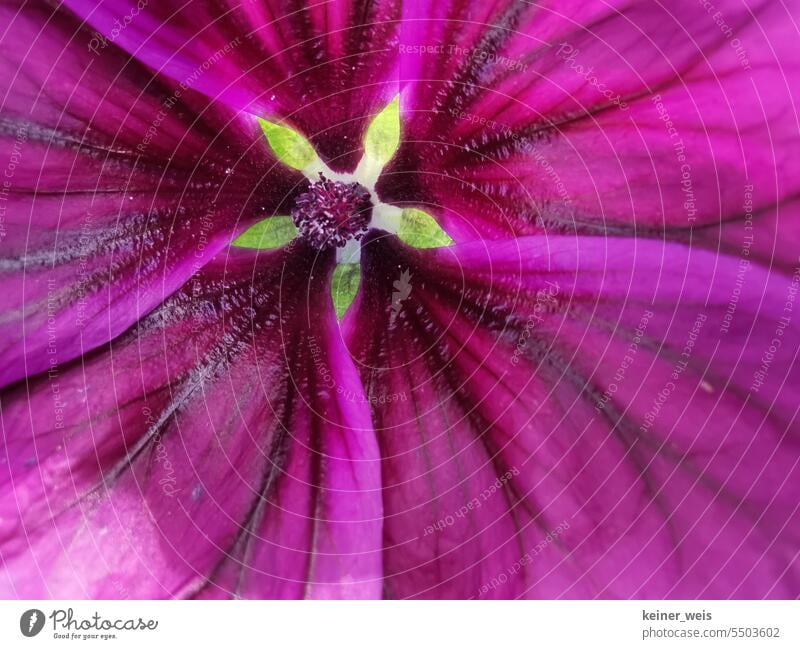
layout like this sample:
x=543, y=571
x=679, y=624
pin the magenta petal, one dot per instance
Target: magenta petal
x=326, y=68
x=121, y=187
x=219, y=447
x=584, y=117
x=770, y=236
x=577, y=417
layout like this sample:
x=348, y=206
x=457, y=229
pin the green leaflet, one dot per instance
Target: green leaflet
x=383, y=133
x=273, y=232
x=346, y=278
x=420, y=230
x=291, y=148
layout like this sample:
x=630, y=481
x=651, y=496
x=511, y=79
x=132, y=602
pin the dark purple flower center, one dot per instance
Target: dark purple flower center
x=331, y=213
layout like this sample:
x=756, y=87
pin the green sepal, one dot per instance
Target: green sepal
x=273, y=232
x=346, y=278
x=420, y=230
x=383, y=133
x=289, y=146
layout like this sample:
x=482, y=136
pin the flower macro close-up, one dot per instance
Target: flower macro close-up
x=438, y=299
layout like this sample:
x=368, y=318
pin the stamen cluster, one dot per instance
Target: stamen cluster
x=331, y=213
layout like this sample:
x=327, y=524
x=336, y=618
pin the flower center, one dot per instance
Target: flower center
x=331, y=213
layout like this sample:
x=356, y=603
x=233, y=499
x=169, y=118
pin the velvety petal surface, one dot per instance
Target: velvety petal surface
x=325, y=68
x=221, y=447
x=576, y=417
x=621, y=117
x=117, y=187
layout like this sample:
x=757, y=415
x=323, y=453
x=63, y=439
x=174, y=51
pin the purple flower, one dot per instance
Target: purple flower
x=590, y=392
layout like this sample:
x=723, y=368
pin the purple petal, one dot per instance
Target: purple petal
x=118, y=187
x=576, y=417
x=586, y=117
x=221, y=447
x=327, y=68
